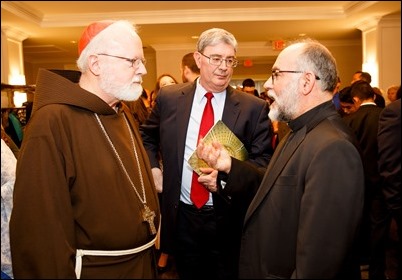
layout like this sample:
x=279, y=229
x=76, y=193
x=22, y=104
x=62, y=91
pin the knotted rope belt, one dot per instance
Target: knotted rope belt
x=81, y=253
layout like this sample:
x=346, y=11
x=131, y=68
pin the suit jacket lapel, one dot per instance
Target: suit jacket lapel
x=280, y=158
x=231, y=111
x=184, y=104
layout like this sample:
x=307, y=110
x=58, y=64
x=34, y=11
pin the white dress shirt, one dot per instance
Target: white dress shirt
x=197, y=109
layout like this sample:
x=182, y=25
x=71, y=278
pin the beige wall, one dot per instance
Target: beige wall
x=348, y=58
x=389, y=49
x=166, y=60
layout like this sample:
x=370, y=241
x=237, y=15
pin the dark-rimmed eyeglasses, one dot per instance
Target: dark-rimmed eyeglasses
x=217, y=60
x=275, y=74
x=135, y=62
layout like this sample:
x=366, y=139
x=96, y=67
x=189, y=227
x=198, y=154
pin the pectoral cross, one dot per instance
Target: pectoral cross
x=149, y=217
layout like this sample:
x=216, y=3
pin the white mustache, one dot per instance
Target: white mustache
x=137, y=79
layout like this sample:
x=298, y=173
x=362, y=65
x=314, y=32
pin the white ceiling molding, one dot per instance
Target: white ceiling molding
x=179, y=16
x=23, y=11
x=391, y=20
x=14, y=33
x=198, y=15
x=353, y=7
x=369, y=24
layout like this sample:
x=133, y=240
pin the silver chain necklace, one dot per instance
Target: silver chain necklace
x=147, y=214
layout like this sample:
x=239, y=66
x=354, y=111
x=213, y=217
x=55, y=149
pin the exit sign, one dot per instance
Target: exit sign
x=278, y=45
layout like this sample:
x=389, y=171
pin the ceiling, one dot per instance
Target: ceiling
x=51, y=27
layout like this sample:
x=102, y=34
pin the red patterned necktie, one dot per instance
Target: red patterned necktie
x=199, y=194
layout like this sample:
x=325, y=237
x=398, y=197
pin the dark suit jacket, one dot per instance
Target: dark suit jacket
x=364, y=123
x=304, y=217
x=166, y=128
x=389, y=148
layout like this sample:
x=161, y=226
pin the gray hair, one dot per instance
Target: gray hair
x=214, y=36
x=317, y=58
x=102, y=41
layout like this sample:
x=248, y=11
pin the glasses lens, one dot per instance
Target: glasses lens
x=136, y=62
x=231, y=63
x=217, y=61
x=214, y=60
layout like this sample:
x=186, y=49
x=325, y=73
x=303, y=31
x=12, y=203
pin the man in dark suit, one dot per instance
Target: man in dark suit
x=205, y=241
x=364, y=123
x=389, y=164
x=304, y=217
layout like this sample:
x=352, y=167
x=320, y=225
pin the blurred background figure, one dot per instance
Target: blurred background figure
x=189, y=69
x=8, y=164
x=360, y=75
x=347, y=104
x=163, y=80
x=392, y=93
x=379, y=99
x=141, y=107
x=163, y=260
x=9, y=141
x=365, y=76
x=364, y=123
x=389, y=164
x=249, y=87
x=335, y=98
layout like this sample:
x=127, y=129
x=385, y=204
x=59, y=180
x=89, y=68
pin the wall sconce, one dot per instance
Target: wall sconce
x=17, y=80
x=372, y=68
x=19, y=98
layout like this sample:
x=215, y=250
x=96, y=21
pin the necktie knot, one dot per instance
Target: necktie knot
x=209, y=95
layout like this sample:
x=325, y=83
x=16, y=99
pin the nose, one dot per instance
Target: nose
x=268, y=84
x=223, y=65
x=142, y=70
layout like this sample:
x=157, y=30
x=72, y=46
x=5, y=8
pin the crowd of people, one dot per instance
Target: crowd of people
x=104, y=186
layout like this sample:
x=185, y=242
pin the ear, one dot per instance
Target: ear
x=356, y=100
x=308, y=82
x=197, y=58
x=93, y=64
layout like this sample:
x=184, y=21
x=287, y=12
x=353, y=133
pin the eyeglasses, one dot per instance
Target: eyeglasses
x=275, y=74
x=217, y=60
x=135, y=62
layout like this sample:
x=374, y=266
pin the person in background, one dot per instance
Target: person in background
x=85, y=204
x=302, y=208
x=335, y=98
x=379, y=99
x=204, y=239
x=163, y=80
x=364, y=124
x=8, y=164
x=9, y=141
x=28, y=109
x=13, y=126
x=360, y=75
x=139, y=107
x=163, y=260
x=189, y=69
x=348, y=104
x=365, y=76
x=249, y=87
x=392, y=93
x=189, y=72
x=389, y=164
